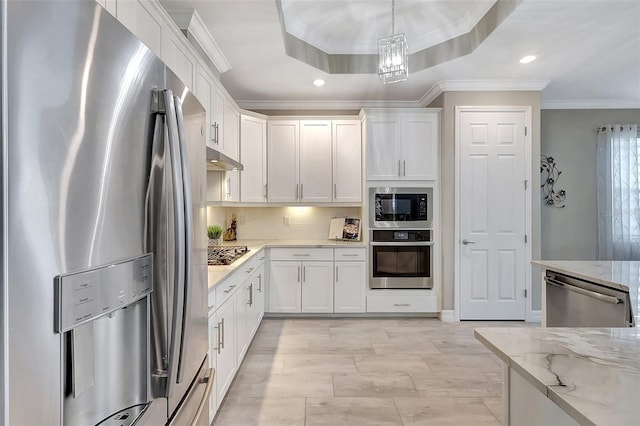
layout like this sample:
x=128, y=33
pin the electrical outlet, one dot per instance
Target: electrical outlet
x=286, y=220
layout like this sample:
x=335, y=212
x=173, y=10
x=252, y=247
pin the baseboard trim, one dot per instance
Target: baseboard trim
x=448, y=316
x=535, y=316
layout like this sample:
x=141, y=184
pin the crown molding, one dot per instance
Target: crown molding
x=189, y=20
x=491, y=85
x=324, y=105
x=431, y=95
x=590, y=104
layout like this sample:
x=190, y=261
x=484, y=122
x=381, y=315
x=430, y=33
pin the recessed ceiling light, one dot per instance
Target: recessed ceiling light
x=318, y=82
x=528, y=59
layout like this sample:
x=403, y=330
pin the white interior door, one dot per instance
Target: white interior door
x=492, y=214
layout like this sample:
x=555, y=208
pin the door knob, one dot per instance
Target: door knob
x=466, y=242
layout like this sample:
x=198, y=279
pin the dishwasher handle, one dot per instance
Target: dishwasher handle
x=589, y=293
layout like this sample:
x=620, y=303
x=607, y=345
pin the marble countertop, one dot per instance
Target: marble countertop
x=593, y=374
x=621, y=275
x=217, y=273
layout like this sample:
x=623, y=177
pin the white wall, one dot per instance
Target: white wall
x=267, y=222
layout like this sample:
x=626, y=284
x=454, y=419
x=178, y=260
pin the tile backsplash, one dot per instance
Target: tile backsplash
x=269, y=222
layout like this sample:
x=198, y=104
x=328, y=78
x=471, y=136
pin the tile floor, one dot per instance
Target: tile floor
x=356, y=372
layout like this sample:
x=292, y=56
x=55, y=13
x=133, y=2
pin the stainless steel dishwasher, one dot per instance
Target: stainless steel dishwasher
x=573, y=302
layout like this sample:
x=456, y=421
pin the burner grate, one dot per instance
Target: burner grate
x=224, y=255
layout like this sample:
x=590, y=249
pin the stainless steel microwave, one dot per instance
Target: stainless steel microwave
x=401, y=208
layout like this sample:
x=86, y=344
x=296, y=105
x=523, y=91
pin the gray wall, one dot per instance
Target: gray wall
x=448, y=101
x=569, y=137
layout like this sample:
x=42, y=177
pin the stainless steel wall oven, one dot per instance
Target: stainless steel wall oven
x=401, y=259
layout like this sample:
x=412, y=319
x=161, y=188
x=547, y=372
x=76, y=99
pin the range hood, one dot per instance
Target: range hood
x=217, y=161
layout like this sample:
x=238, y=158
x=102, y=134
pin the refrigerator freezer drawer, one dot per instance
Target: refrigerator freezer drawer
x=194, y=410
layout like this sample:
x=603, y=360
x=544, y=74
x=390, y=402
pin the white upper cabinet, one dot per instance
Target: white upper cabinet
x=315, y=161
x=402, y=145
x=142, y=17
x=217, y=119
x=202, y=90
x=231, y=131
x=347, y=161
x=282, y=160
x=232, y=186
x=253, y=156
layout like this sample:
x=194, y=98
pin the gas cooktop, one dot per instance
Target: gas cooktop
x=224, y=255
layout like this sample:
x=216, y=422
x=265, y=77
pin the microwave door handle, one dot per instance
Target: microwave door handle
x=178, y=236
x=188, y=235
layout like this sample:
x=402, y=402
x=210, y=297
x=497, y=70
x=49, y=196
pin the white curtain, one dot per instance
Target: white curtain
x=618, y=187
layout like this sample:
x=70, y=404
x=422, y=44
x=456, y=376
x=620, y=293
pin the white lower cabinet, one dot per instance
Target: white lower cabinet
x=310, y=286
x=236, y=307
x=222, y=346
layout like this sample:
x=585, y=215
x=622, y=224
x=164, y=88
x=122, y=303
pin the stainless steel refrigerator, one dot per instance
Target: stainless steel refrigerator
x=103, y=226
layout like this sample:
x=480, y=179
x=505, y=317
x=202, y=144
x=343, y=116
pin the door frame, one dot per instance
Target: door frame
x=527, y=110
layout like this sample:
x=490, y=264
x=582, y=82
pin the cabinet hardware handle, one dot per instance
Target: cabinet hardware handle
x=337, y=274
x=219, y=338
x=229, y=289
x=301, y=254
x=213, y=133
x=217, y=134
x=260, y=283
x=265, y=191
x=222, y=326
x=248, y=271
x=401, y=304
x=298, y=274
x=301, y=191
x=335, y=191
x=404, y=167
x=350, y=255
x=304, y=270
x=398, y=167
x=250, y=302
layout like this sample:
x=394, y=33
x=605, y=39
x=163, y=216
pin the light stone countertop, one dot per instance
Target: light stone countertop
x=621, y=275
x=593, y=374
x=218, y=273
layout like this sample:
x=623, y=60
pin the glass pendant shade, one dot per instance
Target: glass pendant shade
x=392, y=58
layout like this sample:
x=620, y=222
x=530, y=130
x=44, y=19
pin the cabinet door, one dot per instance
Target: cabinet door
x=203, y=93
x=317, y=287
x=315, y=161
x=231, y=129
x=419, y=147
x=213, y=357
x=226, y=354
x=350, y=287
x=347, y=161
x=284, y=286
x=145, y=22
x=217, y=119
x=177, y=56
x=242, y=320
x=259, y=292
x=383, y=145
x=282, y=155
x=232, y=186
x=253, y=156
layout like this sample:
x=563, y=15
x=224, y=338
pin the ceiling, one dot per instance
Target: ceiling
x=588, y=50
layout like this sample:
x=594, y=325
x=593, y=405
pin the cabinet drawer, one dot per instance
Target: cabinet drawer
x=350, y=254
x=245, y=270
x=226, y=288
x=389, y=303
x=211, y=303
x=301, y=253
x=260, y=256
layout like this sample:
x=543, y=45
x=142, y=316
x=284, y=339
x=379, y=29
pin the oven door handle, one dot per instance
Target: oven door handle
x=585, y=292
x=403, y=244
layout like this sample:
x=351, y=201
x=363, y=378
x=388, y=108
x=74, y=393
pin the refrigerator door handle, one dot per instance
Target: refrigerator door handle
x=188, y=234
x=208, y=379
x=179, y=236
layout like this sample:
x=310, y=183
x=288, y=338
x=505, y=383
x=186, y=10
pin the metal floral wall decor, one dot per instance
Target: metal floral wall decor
x=552, y=197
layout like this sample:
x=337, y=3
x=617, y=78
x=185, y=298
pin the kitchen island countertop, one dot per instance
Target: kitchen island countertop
x=592, y=374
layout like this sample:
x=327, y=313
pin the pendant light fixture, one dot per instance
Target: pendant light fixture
x=393, y=54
